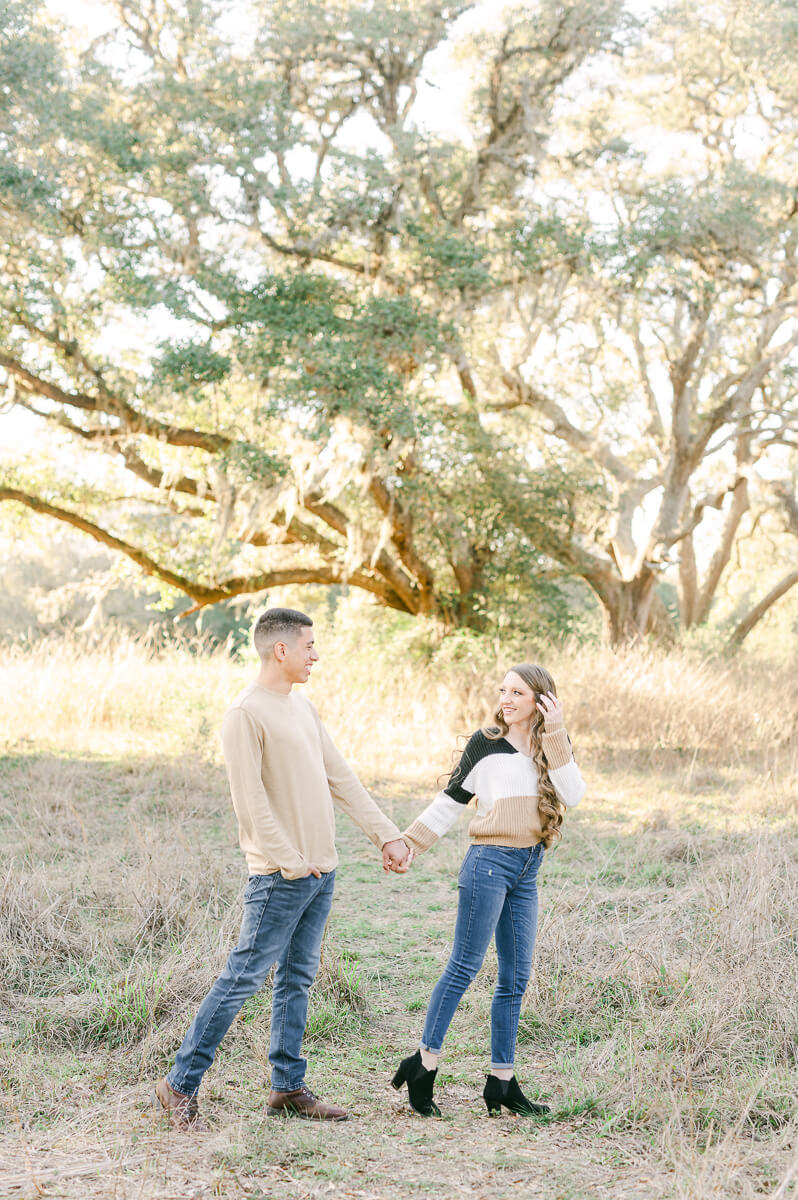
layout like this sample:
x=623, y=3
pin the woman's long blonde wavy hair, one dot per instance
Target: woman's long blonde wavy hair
x=549, y=805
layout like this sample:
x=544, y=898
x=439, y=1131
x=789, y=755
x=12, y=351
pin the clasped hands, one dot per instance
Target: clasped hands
x=397, y=856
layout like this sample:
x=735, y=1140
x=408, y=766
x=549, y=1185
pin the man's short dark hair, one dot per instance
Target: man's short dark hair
x=275, y=624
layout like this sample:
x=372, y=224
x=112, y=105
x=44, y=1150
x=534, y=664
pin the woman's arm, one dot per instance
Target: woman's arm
x=449, y=804
x=436, y=820
x=565, y=776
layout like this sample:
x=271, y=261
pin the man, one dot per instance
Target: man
x=284, y=773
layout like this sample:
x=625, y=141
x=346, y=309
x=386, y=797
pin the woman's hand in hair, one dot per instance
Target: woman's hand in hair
x=551, y=708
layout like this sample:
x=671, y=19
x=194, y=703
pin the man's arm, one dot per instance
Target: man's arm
x=243, y=747
x=349, y=793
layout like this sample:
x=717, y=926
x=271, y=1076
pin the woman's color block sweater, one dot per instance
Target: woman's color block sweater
x=504, y=783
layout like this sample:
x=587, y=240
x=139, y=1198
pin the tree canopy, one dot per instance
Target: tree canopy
x=292, y=328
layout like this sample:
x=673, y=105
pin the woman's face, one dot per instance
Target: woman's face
x=516, y=699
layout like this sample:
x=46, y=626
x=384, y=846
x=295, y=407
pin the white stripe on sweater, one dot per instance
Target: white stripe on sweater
x=442, y=814
x=499, y=775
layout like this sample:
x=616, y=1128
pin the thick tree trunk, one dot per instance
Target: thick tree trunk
x=688, y=583
x=632, y=609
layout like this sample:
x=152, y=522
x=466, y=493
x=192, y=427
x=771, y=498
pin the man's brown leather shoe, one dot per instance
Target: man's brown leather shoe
x=302, y=1103
x=182, y=1110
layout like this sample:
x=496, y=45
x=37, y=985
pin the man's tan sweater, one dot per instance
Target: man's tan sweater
x=284, y=774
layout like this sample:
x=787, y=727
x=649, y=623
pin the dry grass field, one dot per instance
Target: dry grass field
x=662, y=1020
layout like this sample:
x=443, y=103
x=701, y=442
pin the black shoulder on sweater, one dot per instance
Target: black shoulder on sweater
x=478, y=746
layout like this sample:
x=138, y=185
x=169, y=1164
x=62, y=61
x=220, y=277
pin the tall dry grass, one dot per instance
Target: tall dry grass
x=398, y=701
x=121, y=692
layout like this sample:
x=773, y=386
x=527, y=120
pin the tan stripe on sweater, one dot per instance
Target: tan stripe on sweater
x=513, y=821
x=420, y=837
x=556, y=748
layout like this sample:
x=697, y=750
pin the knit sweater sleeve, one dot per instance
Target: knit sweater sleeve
x=446, y=809
x=565, y=776
x=349, y=794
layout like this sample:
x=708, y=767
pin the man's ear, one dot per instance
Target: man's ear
x=280, y=651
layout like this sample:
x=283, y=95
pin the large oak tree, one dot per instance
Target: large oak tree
x=319, y=340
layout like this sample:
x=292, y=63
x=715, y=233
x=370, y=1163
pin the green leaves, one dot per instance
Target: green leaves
x=723, y=224
x=247, y=463
x=189, y=366
x=448, y=260
x=320, y=350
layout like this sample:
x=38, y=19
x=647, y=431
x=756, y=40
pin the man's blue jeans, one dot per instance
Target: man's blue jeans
x=283, y=923
x=497, y=894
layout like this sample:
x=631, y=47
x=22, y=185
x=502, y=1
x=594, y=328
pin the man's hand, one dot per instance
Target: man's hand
x=397, y=856
x=312, y=871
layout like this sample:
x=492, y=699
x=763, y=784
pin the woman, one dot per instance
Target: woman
x=522, y=773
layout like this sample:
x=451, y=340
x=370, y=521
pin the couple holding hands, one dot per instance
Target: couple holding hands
x=284, y=774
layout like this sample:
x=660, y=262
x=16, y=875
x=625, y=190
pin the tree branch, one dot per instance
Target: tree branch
x=131, y=420
x=657, y=427
x=197, y=591
x=713, y=501
x=739, y=507
x=402, y=536
x=401, y=583
x=203, y=594
x=132, y=460
x=524, y=394
x=295, y=531
x=680, y=371
x=744, y=627
x=744, y=387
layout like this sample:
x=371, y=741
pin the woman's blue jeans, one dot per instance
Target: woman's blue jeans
x=283, y=923
x=498, y=895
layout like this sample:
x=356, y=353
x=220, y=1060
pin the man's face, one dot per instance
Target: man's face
x=298, y=654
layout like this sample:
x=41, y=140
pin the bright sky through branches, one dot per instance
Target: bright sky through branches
x=440, y=105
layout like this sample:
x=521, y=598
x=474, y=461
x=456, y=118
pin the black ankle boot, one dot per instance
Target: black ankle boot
x=420, y=1083
x=506, y=1092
